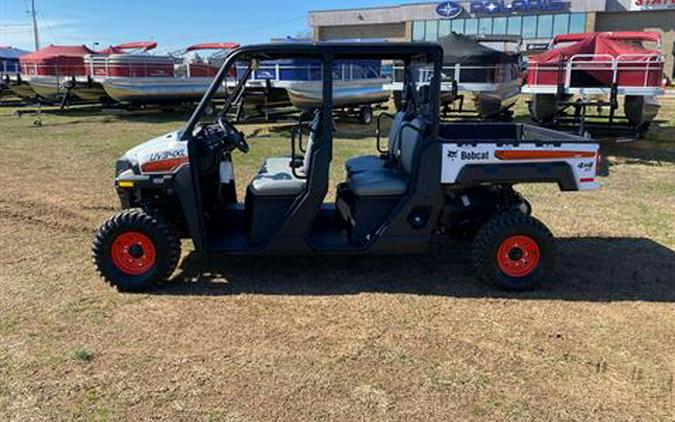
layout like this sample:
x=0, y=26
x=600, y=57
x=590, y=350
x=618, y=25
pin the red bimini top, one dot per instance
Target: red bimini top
x=213, y=46
x=123, y=48
x=615, y=36
x=56, y=60
x=597, y=46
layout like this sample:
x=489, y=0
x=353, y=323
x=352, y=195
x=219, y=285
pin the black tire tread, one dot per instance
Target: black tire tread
x=486, y=235
x=136, y=216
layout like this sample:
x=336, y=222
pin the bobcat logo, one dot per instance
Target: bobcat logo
x=452, y=154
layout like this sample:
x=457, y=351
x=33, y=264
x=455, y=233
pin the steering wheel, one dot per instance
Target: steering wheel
x=234, y=136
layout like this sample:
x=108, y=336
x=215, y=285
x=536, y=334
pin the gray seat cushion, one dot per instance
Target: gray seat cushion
x=276, y=176
x=279, y=164
x=378, y=183
x=277, y=179
x=364, y=163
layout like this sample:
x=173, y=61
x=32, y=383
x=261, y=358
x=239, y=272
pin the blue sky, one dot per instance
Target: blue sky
x=172, y=23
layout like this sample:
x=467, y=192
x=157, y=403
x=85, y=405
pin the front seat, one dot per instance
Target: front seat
x=277, y=178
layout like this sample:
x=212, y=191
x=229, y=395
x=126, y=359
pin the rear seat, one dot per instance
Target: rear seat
x=391, y=181
x=375, y=162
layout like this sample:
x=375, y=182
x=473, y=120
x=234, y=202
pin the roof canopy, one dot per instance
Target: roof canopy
x=11, y=53
x=54, y=52
x=339, y=51
x=460, y=49
x=596, y=47
x=616, y=36
x=213, y=46
x=136, y=45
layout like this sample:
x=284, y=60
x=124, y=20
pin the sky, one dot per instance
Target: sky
x=174, y=24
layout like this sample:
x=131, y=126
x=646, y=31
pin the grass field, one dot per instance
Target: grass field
x=337, y=338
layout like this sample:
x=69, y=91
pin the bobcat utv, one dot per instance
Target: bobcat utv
x=426, y=178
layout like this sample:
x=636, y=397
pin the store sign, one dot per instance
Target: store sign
x=520, y=6
x=652, y=4
x=449, y=10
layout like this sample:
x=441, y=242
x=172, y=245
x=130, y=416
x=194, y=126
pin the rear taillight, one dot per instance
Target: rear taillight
x=599, y=164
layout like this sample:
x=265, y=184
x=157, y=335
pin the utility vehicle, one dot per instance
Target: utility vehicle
x=426, y=178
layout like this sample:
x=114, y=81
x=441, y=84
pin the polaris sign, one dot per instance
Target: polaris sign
x=518, y=6
x=449, y=10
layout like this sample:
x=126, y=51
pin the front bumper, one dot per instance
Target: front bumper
x=131, y=186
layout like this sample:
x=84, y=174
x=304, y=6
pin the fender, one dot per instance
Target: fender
x=558, y=172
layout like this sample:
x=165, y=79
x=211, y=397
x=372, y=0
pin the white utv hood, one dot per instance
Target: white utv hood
x=162, y=148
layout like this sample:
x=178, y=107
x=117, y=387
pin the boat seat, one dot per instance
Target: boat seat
x=276, y=177
x=377, y=162
x=391, y=181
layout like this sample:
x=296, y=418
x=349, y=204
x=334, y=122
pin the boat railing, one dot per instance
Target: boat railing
x=311, y=72
x=34, y=69
x=9, y=67
x=463, y=74
x=629, y=70
x=105, y=66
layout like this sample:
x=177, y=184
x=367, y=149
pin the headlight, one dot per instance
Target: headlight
x=122, y=165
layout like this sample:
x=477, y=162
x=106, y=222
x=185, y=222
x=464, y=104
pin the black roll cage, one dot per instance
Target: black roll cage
x=326, y=53
x=407, y=52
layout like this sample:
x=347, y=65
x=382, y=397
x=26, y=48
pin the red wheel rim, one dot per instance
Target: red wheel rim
x=133, y=253
x=518, y=256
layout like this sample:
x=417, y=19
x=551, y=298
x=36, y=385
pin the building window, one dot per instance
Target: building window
x=530, y=27
x=444, y=28
x=432, y=31
x=458, y=26
x=485, y=26
x=471, y=27
x=515, y=25
x=499, y=26
x=561, y=24
x=577, y=23
x=418, y=31
x=545, y=26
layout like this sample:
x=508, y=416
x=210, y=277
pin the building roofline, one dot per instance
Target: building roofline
x=354, y=9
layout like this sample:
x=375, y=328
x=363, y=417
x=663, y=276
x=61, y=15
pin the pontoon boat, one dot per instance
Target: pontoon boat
x=358, y=84
x=9, y=67
x=591, y=65
x=490, y=77
x=145, y=79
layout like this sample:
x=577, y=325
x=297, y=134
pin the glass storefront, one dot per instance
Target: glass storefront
x=528, y=27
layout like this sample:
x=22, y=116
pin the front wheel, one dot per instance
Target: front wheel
x=514, y=251
x=135, y=250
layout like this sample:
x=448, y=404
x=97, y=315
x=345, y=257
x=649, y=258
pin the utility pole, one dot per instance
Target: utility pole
x=36, y=35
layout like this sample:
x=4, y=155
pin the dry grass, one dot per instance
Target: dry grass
x=331, y=338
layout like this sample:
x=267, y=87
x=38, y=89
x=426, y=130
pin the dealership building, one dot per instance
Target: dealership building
x=536, y=21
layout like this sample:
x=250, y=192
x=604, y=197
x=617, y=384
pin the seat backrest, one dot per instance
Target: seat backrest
x=394, y=138
x=410, y=137
x=314, y=127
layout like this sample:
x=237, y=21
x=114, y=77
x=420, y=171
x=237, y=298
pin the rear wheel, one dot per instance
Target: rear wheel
x=135, y=250
x=514, y=251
